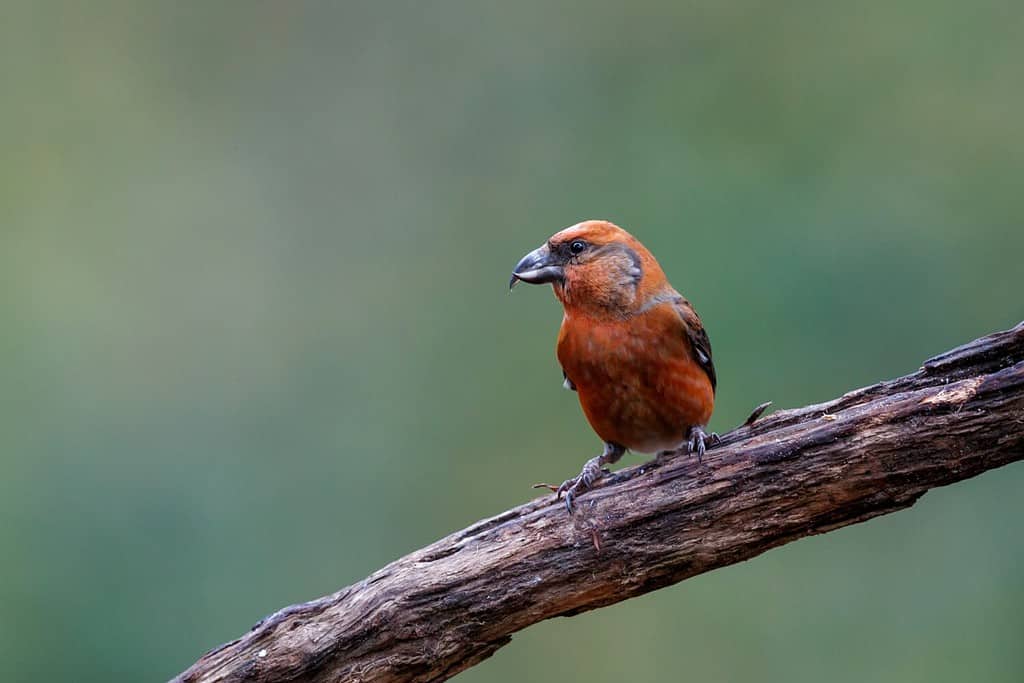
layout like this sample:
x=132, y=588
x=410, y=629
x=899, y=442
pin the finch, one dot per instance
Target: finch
x=630, y=345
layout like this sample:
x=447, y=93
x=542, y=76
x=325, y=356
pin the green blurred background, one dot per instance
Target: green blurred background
x=256, y=339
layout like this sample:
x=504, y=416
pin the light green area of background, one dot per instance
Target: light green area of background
x=256, y=340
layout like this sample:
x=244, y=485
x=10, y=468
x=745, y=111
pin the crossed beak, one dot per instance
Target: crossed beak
x=537, y=268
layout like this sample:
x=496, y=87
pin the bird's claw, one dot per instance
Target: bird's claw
x=569, y=484
x=592, y=471
x=697, y=439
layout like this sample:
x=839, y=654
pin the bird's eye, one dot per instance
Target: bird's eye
x=577, y=246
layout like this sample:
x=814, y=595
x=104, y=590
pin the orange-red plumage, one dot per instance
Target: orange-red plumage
x=632, y=347
x=637, y=381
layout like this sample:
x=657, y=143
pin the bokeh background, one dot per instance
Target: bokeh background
x=256, y=339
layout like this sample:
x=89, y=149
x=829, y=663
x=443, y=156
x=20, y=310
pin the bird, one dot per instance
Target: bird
x=632, y=348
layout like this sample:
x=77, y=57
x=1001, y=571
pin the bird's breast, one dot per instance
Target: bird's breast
x=636, y=379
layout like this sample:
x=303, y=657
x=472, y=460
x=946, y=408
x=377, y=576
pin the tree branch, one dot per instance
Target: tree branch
x=446, y=607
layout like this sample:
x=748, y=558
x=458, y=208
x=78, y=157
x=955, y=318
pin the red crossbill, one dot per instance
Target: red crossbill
x=630, y=345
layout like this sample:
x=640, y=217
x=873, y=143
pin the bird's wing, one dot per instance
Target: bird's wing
x=698, y=338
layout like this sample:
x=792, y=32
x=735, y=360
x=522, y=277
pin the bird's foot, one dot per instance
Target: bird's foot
x=591, y=472
x=696, y=441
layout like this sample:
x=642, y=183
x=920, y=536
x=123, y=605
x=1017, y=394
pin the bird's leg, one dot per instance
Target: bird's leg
x=695, y=441
x=593, y=470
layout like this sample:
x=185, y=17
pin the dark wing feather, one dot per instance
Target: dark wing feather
x=698, y=339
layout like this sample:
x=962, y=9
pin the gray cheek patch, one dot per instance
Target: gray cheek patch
x=627, y=262
x=636, y=271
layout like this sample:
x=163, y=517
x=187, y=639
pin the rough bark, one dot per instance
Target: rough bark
x=446, y=607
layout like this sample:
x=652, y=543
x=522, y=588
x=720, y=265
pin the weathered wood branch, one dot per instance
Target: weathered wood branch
x=446, y=607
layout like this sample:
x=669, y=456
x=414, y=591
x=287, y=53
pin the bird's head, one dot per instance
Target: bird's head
x=595, y=268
